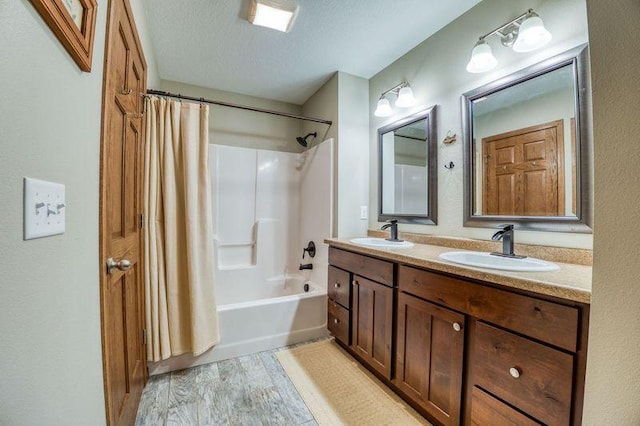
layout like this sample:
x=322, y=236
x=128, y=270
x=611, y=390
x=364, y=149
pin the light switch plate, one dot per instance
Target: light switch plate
x=44, y=208
x=364, y=212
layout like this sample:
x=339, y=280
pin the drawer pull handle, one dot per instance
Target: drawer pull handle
x=336, y=321
x=336, y=285
x=457, y=326
x=515, y=373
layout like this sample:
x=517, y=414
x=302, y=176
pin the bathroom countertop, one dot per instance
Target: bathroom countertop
x=571, y=282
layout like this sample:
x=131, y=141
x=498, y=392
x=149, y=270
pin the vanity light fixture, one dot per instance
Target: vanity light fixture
x=278, y=15
x=405, y=99
x=524, y=34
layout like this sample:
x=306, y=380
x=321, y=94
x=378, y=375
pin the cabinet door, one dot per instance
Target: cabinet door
x=372, y=319
x=429, y=357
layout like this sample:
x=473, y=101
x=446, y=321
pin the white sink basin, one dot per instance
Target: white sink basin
x=380, y=243
x=486, y=260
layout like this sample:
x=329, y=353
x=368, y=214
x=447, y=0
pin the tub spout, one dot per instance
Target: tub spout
x=306, y=266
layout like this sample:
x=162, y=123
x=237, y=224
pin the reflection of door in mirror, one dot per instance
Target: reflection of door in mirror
x=524, y=172
x=524, y=148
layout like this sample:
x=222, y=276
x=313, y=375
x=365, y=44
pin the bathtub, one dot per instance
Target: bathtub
x=291, y=315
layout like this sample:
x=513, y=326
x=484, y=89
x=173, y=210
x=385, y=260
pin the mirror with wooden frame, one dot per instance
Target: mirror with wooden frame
x=407, y=177
x=528, y=155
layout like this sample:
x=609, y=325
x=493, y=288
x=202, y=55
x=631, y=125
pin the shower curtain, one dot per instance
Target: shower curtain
x=181, y=314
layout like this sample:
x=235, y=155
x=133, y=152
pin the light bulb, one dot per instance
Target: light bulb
x=405, y=98
x=482, y=58
x=383, y=109
x=532, y=34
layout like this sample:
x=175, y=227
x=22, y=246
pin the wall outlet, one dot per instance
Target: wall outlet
x=364, y=212
x=44, y=208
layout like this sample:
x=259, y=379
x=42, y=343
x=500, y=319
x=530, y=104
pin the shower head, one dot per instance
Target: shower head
x=303, y=141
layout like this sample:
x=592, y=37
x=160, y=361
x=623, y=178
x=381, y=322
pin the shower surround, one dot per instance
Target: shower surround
x=267, y=206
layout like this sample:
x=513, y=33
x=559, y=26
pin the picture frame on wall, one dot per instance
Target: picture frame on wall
x=74, y=23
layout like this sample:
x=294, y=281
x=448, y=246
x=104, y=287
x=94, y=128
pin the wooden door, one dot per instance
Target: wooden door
x=372, y=320
x=524, y=172
x=429, y=357
x=121, y=164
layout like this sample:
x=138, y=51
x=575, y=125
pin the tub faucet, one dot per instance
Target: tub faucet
x=306, y=266
x=392, y=225
x=506, y=234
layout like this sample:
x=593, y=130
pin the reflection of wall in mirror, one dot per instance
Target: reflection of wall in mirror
x=410, y=189
x=388, y=173
x=542, y=109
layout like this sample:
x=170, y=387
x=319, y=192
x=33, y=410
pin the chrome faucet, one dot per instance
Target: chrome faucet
x=304, y=266
x=392, y=225
x=506, y=234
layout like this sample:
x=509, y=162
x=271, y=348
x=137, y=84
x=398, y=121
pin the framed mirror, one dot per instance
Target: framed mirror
x=528, y=148
x=407, y=176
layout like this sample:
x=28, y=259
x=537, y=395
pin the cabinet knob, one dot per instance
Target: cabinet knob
x=336, y=285
x=336, y=320
x=355, y=282
x=457, y=326
x=515, y=372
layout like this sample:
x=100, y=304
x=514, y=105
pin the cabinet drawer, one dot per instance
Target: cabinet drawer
x=486, y=410
x=338, y=286
x=374, y=269
x=547, y=321
x=338, y=322
x=528, y=375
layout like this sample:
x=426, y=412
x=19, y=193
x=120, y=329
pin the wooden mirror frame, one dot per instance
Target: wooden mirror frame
x=578, y=58
x=430, y=216
x=77, y=41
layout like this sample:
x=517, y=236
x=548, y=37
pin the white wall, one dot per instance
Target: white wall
x=436, y=71
x=235, y=127
x=51, y=356
x=613, y=363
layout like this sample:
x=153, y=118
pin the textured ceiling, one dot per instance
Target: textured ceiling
x=209, y=42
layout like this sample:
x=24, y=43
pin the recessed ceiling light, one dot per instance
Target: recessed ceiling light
x=278, y=15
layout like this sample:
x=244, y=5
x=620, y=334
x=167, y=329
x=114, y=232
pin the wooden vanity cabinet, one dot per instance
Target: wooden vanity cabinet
x=526, y=354
x=430, y=357
x=339, y=302
x=464, y=352
x=371, y=323
x=368, y=300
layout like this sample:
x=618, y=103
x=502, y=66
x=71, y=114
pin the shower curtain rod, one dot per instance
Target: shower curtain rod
x=230, y=105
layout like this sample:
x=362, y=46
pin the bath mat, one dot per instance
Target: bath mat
x=339, y=391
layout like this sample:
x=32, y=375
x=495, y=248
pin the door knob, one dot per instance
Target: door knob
x=122, y=264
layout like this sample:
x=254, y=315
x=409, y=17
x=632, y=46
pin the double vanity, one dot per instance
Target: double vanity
x=464, y=335
x=463, y=344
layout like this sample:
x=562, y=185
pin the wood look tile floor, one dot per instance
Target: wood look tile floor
x=251, y=390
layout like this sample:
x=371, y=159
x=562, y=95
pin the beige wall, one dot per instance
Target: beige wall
x=249, y=129
x=353, y=154
x=344, y=100
x=50, y=355
x=613, y=363
x=436, y=71
x=324, y=104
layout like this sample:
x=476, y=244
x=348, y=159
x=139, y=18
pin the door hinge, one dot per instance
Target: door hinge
x=144, y=336
x=141, y=224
